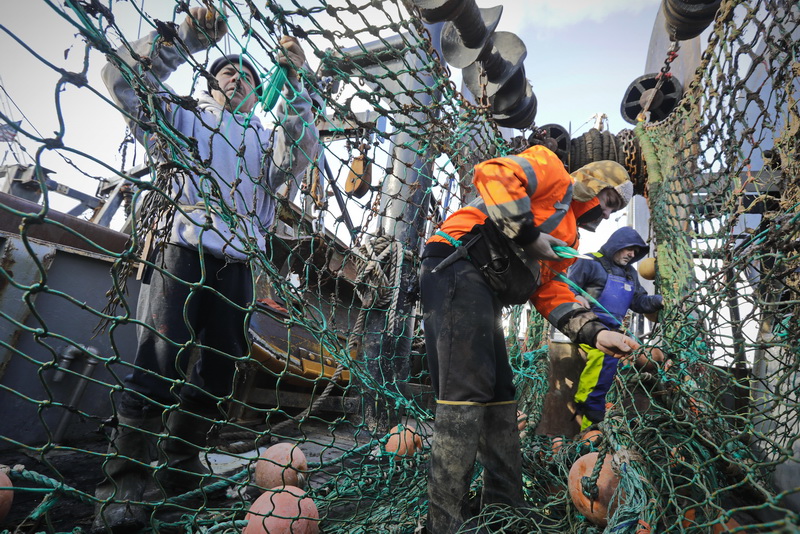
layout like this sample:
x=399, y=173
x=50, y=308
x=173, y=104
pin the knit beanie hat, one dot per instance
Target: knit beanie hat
x=238, y=61
x=596, y=176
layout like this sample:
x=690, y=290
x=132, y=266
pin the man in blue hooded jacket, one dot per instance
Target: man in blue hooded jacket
x=613, y=282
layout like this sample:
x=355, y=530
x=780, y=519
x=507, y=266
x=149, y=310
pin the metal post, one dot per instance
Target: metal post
x=90, y=362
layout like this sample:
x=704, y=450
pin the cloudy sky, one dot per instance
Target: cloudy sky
x=582, y=55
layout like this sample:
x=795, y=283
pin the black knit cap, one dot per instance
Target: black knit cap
x=237, y=60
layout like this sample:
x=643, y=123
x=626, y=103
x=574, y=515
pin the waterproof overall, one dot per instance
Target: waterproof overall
x=600, y=370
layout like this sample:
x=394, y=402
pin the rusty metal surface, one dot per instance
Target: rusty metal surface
x=16, y=262
x=54, y=227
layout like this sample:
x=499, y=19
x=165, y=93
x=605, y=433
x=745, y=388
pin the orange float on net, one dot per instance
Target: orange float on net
x=647, y=268
x=403, y=441
x=283, y=464
x=649, y=358
x=690, y=516
x=281, y=511
x=595, y=510
x=729, y=525
x=590, y=437
x=6, y=495
x=522, y=420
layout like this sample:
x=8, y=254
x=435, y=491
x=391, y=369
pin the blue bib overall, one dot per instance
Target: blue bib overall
x=598, y=375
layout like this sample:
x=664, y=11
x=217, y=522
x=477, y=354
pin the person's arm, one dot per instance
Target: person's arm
x=580, y=273
x=507, y=185
x=296, y=140
x=644, y=303
x=556, y=303
x=201, y=28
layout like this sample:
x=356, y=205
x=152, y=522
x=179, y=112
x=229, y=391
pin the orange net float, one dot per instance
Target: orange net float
x=282, y=510
x=595, y=510
x=649, y=359
x=727, y=526
x=283, y=464
x=6, y=495
x=403, y=441
x=720, y=527
x=590, y=437
x=522, y=420
x=647, y=268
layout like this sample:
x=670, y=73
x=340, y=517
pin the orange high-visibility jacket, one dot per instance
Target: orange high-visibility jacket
x=525, y=195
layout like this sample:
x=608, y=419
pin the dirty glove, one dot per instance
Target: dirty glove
x=208, y=23
x=292, y=55
x=583, y=301
x=659, y=302
x=542, y=247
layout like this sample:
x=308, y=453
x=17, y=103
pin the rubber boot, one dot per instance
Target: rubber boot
x=499, y=453
x=452, y=461
x=186, y=438
x=127, y=475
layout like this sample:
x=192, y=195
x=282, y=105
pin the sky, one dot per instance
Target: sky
x=581, y=57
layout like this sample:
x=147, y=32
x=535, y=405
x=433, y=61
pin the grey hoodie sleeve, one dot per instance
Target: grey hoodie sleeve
x=162, y=57
x=296, y=140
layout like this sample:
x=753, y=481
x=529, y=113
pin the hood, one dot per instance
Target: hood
x=598, y=175
x=623, y=238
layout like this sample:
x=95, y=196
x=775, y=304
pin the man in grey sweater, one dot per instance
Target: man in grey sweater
x=224, y=167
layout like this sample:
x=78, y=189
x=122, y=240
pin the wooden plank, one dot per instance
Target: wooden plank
x=292, y=399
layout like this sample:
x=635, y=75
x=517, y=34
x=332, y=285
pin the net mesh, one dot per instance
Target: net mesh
x=337, y=365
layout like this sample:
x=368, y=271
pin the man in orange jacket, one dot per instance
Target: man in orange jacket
x=494, y=252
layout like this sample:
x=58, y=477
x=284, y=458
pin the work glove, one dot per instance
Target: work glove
x=659, y=302
x=542, y=247
x=583, y=301
x=292, y=55
x=208, y=23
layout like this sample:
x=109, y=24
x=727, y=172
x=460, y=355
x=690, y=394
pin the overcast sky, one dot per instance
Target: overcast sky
x=582, y=55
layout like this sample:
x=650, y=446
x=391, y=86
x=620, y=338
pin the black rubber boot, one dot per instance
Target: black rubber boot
x=127, y=472
x=499, y=453
x=452, y=460
x=186, y=434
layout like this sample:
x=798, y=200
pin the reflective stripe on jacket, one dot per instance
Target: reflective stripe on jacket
x=525, y=195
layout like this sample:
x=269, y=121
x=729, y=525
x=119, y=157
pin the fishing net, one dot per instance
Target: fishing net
x=704, y=442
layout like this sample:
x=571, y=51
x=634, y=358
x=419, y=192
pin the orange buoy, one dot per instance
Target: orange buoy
x=283, y=464
x=282, y=510
x=595, y=510
x=403, y=441
x=590, y=437
x=522, y=420
x=647, y=268
x=730, y=524
x=6, y=495
x=688, y=518
x=649, y=358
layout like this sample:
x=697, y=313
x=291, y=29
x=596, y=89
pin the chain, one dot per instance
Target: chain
x=664, y=74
